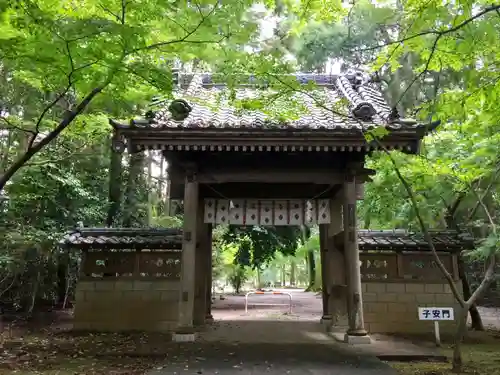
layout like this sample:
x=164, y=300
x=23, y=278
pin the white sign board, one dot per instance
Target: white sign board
x=436, y=313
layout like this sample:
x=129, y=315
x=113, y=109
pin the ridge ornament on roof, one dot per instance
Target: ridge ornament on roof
x=179, y=109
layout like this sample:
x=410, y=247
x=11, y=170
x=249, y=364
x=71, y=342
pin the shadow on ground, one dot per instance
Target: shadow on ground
x=293, y=359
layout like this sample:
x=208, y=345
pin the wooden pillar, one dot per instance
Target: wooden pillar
x=208, y=274
x=351, y=254
x=323, y=233
x=188, y=264
x=203, y=245
x=335, y=284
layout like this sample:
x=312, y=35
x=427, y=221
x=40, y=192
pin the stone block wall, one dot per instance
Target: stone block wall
x=126, y=305
x=392, y=307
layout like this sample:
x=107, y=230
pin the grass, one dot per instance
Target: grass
x=480, y=353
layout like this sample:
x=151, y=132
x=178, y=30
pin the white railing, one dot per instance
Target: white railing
x=289, y=304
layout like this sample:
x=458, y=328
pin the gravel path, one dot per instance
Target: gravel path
x=269, y=340
x=272, y=359
x=491, y=317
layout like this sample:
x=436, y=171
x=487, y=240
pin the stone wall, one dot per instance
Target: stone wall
x=392, y=307
x=126, y=305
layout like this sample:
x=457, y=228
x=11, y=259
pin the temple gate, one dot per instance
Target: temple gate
x=241, y=167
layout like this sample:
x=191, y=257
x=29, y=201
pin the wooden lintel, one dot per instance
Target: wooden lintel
x=249, y=190
x=274, y=176
x=220, y=176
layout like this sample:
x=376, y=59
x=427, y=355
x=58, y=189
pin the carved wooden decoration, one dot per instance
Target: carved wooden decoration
x=132, y=265
x=267, y=212
x=157, y=264
x=424, y=267
x=417, y=267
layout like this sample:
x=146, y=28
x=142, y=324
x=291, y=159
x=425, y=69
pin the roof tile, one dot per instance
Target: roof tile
x=409, y=241
x=148, y=238
x=211, y=107
x=123, y=238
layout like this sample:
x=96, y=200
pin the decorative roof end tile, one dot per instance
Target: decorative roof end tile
x=363, y=111
x=359, y=107
x=179, y=109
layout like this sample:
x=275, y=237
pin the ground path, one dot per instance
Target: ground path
x=269, y=340
x=271, y=359
x=266, y=340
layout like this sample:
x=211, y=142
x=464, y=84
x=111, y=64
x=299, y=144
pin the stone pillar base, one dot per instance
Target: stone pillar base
x=209, y=319
x=327, y=322
x=354, y=340
x=356, y=332
x=326, y=319
x=184, y=335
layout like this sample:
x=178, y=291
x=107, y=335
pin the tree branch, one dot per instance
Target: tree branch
x=418, y=76
x=124, y=11
x=438, y=33
x=488, y=188
x=10, y=125
x=118, y=18
x=490, y=270
x=44, y=112
x=184, y=38
x=423, y=227
x=63, y=124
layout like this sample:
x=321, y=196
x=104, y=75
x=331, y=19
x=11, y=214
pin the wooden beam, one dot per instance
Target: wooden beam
x=240, y=190
x=273, y=176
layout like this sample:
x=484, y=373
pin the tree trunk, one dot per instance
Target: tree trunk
x=457, y=362
x=283, y=276
x=293, y=268
x=34, y=293
x=367, y=220
x=168, y=202
x=115, y=191
x=477, y=322
x=450, y=221
x=150, y=161
x=62, y=277
x=131, y=211
x=237, y=285
x=311, y=263
x=161, y=194
x=5, y=150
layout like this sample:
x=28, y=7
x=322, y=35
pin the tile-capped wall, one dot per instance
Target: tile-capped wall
x=126, y=305
x=393, y=307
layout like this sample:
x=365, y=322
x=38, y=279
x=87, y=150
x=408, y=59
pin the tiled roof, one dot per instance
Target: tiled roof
x=123, y=238
x=145, y=238
x=361, y=103
x=404, y=240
